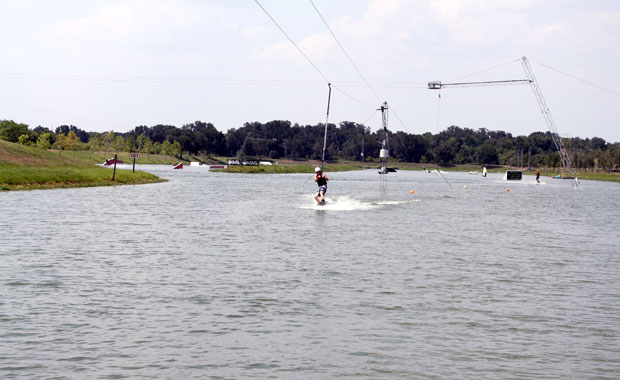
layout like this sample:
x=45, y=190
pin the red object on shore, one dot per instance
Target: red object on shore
x=178, y=166
x=111, y=161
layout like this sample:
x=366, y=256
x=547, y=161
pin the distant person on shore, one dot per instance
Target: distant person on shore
x=321, y=179
x=537, y=175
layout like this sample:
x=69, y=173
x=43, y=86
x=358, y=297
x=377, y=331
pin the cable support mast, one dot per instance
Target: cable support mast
x=384, y=153
x=567, y=166
x=329, y=98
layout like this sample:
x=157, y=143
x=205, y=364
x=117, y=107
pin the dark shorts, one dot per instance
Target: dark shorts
x=323, y=189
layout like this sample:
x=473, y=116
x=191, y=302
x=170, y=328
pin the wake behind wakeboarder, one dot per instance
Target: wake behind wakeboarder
x=321, y=180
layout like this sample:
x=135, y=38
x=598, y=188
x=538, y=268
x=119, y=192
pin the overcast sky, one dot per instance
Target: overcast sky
x=114, y=65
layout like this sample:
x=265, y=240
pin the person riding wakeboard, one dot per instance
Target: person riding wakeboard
x=321, y=179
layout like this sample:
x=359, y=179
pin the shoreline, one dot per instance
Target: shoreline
x=24, y=168
x=308, y=167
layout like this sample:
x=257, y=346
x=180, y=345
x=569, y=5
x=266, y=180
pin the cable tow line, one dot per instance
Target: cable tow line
x=444, y=178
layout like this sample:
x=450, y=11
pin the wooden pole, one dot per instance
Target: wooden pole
x=114, y=172
x=134, y=164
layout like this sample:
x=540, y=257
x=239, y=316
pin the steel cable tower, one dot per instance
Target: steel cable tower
x=566, y=164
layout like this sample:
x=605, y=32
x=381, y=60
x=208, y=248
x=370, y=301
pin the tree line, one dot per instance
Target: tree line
x=279, y=139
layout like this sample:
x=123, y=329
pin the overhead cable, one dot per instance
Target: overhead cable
x=196, y=80
x=398, y=118
x=485, y=70
x=351, y=60
x=344, y=51
x=579, y=79
x=292, y=42
x=351, y=97
x=369, y=117
x=305, y=56
x=31, y=107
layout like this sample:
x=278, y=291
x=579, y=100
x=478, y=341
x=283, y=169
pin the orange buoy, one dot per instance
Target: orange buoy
x=412, y=191
x=507, y=189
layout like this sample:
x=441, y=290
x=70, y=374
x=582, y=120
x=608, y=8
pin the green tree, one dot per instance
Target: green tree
x=156, y=148
x=446, y=151
x=60, y=142
x=10, y=130
x=119, y=144
x=177, y=150
x=44, y=141
x=130, y=144
x=72, y=141
x=95, y=143
x=166, y=148
x=141, y=142
x=148, y=146
x=24, y=140
x=108, y=142
x=487, y=154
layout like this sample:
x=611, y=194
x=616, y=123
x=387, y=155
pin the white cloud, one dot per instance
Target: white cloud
x=539, y=35
x=131, y=21
x=254, y=32
x=446, y=10
x=281, y=51
x=109, y=21
x=317, y=47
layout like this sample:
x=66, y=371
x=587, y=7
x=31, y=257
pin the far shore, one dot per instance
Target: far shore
x=289, y=166
x=28, y=168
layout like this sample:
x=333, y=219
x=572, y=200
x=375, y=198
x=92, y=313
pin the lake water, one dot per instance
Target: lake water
x=224, y=276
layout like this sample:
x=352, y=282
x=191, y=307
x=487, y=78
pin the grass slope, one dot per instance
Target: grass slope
x=100, y=157
x=27, y=168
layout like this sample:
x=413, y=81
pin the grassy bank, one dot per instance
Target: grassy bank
x=100, y=157
x=27, y=168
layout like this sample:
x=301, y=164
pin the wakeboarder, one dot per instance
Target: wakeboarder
x=321, y=180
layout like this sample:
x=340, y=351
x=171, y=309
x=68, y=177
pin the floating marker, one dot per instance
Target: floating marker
x=412, y=191
x=465, y=186
x=507, y=189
